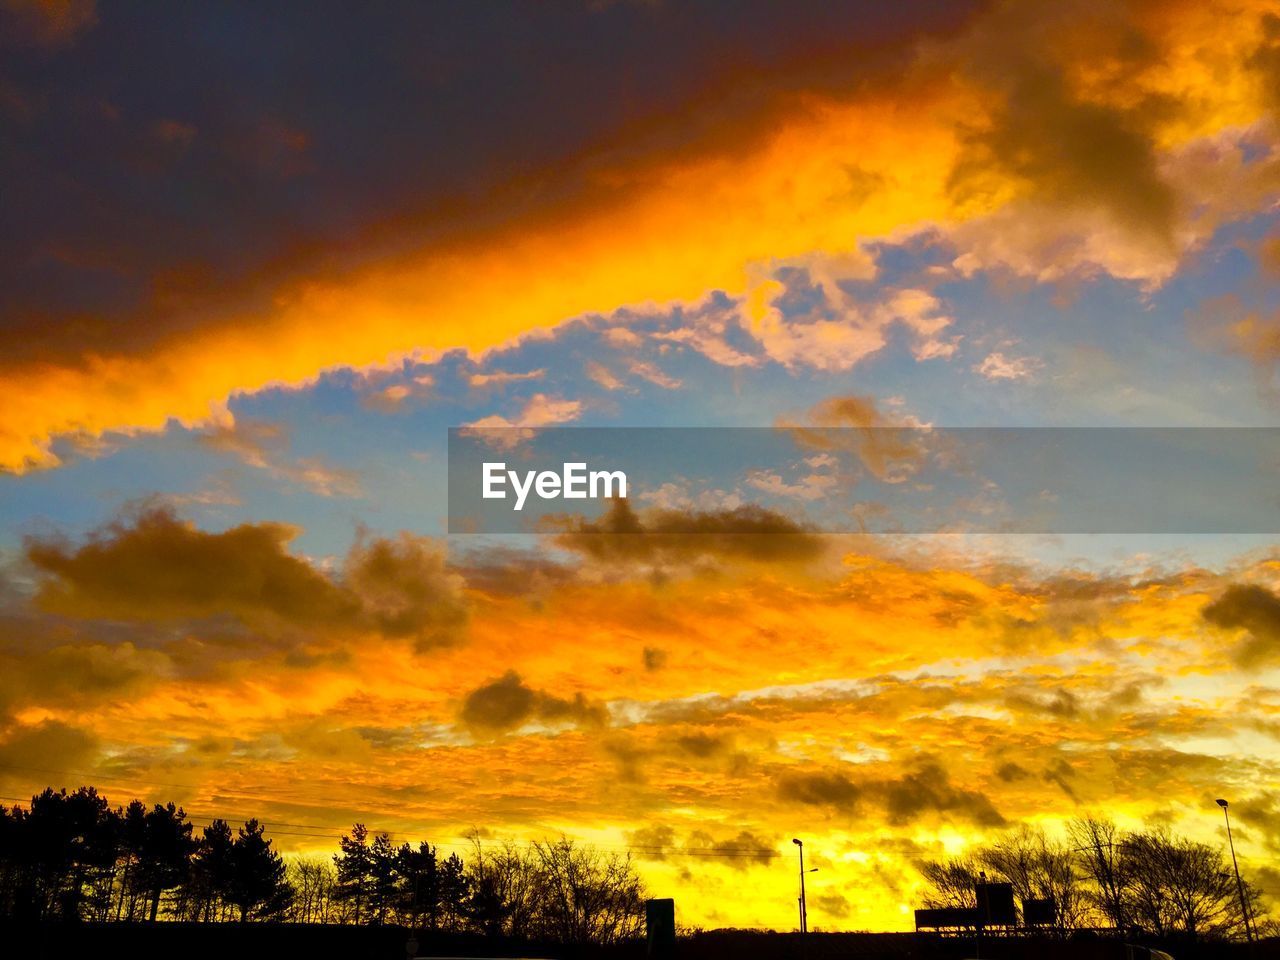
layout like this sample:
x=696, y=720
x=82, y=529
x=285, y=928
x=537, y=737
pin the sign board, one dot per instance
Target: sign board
x=995, y=904
x=660, y=927
x=1039, y=913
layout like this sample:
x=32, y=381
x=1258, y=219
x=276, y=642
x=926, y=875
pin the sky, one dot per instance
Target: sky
x=256, y=262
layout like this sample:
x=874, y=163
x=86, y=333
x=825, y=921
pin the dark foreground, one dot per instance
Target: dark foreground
x=229, y=941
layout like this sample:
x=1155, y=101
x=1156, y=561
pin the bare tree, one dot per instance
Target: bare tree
x=952, y=882
x=1151, y=882
x=1178, y=887
x=587, y=896
x=1039, y=868
x=503, y=881
x=1096, y=843
x=314, y=880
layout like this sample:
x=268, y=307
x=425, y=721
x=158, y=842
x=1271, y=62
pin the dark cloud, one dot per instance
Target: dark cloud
x=507, y=703
x=1254, y=609
x=500, y=570
x=657, y=536
x=628, y=756
x=1259, y=816
x=656, y=842
x=740, y=852
x=406, y=588
x=1266, y=59
x=928, y=789
x=1060, y=703
x=1060, y=773
x=820, y=789
x=1066, y=148
x=158, y=567
x=925, y=789
x=182, y=155
x=78, y=673
x=703, y=745
x=655, y=658
x=1011, y=772
x=152, y=566
x=501, y=704
x=831, y=905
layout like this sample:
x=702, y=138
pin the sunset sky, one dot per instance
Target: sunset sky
x=256, y=260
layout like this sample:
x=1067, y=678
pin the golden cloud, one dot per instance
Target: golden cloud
x=1090, y=149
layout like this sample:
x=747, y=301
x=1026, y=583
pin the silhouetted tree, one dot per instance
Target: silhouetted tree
x=420, y=882
x=66, y=847
x=502, y=883
x=258, y=887
x=1039, y=868
x=211, y=873
x=313, y=881
x=952, y=882
x=585, y=895
x=433, y=892
x=487, y=908
x=11, y=873
x=165, y=852
x=454, y=892
x=98, y=850
x=355, y=872
x=1147, y=882
x=133, y=828
x=1096, y=844
x=383, y=879
x=1179, y=887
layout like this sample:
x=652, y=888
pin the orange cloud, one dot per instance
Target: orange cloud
x=1061, y=154
x=903, y=705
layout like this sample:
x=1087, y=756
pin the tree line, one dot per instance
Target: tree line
x=72, y=857
x=1141, y=883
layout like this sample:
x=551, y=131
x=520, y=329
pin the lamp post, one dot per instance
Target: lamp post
x=804, y=912
x=1244, y=905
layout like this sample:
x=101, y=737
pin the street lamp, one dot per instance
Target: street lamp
x=1244, y=906
x=804, y=911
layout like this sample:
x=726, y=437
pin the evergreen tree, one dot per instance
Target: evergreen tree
x=133, y=828
x=70, y=842
x=258, y=888
x=383, y=885
x=211, y=872
x=355, y=871
x=165, y=854
x=455, y=891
